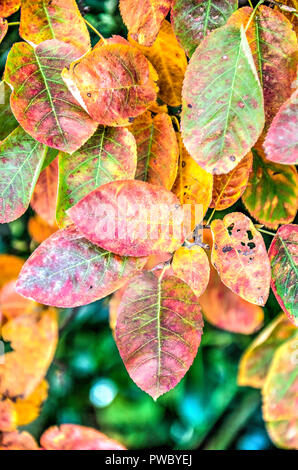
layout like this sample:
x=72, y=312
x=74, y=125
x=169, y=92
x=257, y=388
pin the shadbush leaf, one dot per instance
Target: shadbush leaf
x=115, y=82
x=256, y=360
x=10, y=267
x=272, y=192
x=7, y=119
x=222, y=114
x=40, y=100
x=157, y=149
x=3, y=29
x=13, y=305
x=130, y=218
x=158, y=331
x=169, y=60
x=67, y=271
x=21, y=160
x=109, y=155
x=192, y=20
x=39, y=230
x=240, y=257
x=59, y=19
x=144, y=18
x=284, y=433
x=8, y=7
x=283, y=257
x=29, y=409
x=281, y=143
x=192, y=266
x=44, y=199
x=17, y=441
x=228, y=188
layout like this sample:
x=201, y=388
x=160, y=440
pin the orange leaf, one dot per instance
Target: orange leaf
x=39, y=230
x=8, y=7
x=12, y=304
x=44, y=198
x=27, y=410
x=192, y=266
x=10, y=266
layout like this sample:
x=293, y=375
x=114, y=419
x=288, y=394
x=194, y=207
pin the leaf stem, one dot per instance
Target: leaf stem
x=95, y=31
x=15, y=23
x=253, y=14
x=250, y=4
x=209, y=220
x=266, y=231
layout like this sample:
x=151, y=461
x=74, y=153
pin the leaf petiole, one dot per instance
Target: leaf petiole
x=16, y=23
x=95, y=31
x=266, y=231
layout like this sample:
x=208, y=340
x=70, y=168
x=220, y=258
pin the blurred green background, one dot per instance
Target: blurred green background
x=89, y=384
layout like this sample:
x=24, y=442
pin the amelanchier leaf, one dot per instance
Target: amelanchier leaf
x=274, y=47
x=240, y=257
x=281, y=143
x=157, y=149
x=115, y=82
x=44, y=198
x=284, y=434
x=192, y=266
x=75, y=437
x=29, y=409
x=54, y=19
x=10, y=266
x=16, y=440
x=272, y=192
x=256, y=360
x=130, y=218
x=13, y=305
x=40, y=100
x=192, y=20
x=8, y=7
x=110, y=154
x=158, y=331
x=8, y=416
x=21, y=160
x=223, y=113
x=169, y=60
x=283, y=255
x=228, y=188
x=144, y=18
x=3, y=28
x=39, y=230
x=67, y=271
x=7, y=119
x=280, y=391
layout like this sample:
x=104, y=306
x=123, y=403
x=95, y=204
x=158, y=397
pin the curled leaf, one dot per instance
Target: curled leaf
x=192, y=266
x=5, y=112
x=44, y=198
x=158, y=331
x=283, y=257
x=40, y=100
x=192, y=20
x=240, y=257
x=222, y=114
x=67, y=271
x=9, y=7
x=131, y=218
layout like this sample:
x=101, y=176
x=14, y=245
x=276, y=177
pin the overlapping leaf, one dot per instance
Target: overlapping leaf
x=240, y=257
x=158, y=331
x=144, y=18
x=130, y=218
x=115, y=82
x=58, y=19
x=169, y=60
x=40, y=100
x=44, y=199
x=192, y=20
x=223, y=113
x=272, y=192
x=274, y=47
x=192, y=266
x=67, y=271
x=157, y=149
x=21, y=160
x=227, y=189
x=281, y=143
x=6, y=115
x=283, y=255
x=8, y=7
x=256, y=360
x=109, y=155
x=3, y=28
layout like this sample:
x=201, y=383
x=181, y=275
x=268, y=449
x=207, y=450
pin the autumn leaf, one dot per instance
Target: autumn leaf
x=222, y=115
x=193, y=20
x=240, y=257
x=44, y=199
x=144, y=18
x=169, y=60
x=28, y=410
x=3, y=28
x=12, y=304
x=228, y=188
x=283, y=258
x=58, y=19
x=256, y=360
x=8, y=416
x=158, y=331
x=109, y=155
x=5, y=112
x=130, y=218
x=17, y=441
x=284, y=434
x=67, y=271
x=272, y=192
x=115, y=83
x=280, y=390
x=192, y=266
x=39, y=230
x=274, y=47
x=8, y=7
x=157, y=149
x=10, y=267
x=281, y=143
x=114, y=306
x=40, y=101
x=21, y=160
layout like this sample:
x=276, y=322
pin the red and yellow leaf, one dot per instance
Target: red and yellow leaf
x=192, y=266
x=9, y=7
x=44, y=199
x=158, y=331
x=17, y=441
x=240, y=257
